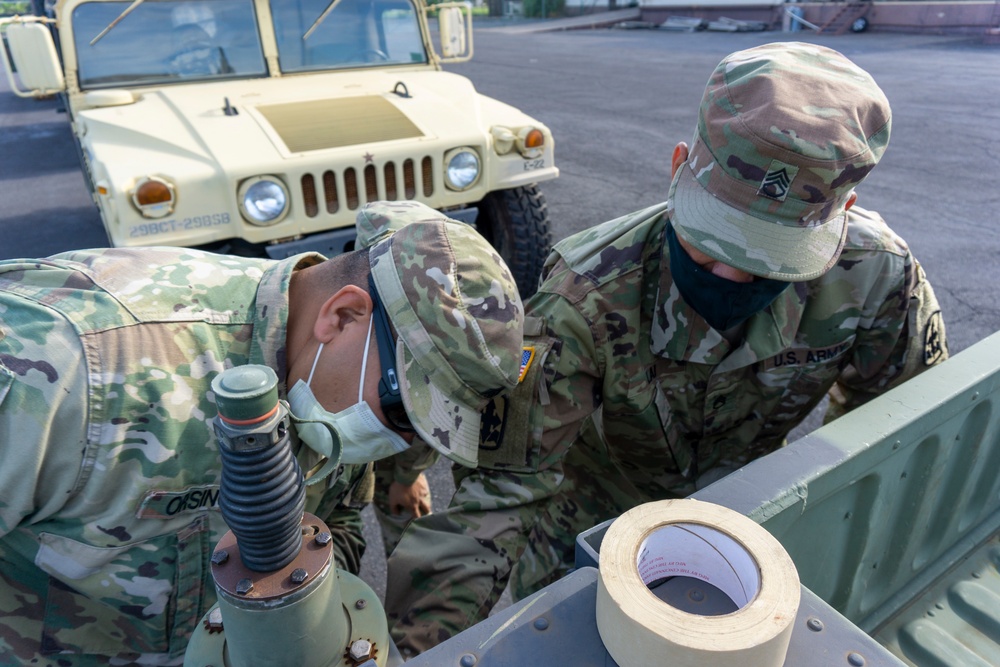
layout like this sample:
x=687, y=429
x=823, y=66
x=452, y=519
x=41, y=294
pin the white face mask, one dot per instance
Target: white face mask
x=362, y=436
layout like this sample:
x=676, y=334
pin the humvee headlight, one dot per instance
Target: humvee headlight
x=263, y=200
x=530, y=142
x=154, y=197
x=462, y=168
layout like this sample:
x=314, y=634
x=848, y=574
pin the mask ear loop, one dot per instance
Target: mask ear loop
x=315, y=361
x=364, y=364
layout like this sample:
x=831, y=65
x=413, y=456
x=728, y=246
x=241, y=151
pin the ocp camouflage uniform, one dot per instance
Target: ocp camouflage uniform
x=631, y=397
x=109, y=471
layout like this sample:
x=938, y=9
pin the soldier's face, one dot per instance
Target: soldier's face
x=714, y=266
x=710, y=264
x=340, y=365
x=326, y=345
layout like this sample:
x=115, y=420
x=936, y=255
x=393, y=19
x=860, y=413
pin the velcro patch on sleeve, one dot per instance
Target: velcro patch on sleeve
x=527, y=356
x=934, y=342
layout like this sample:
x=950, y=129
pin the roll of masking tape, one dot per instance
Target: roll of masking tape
x=715, y=549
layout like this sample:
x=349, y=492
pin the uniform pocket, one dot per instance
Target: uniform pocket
x=645, y=439
x=145, y=597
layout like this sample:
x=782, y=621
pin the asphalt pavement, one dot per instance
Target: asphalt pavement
x=617, y=102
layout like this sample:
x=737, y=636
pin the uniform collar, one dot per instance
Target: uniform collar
x=271, y=321
x=680, y=334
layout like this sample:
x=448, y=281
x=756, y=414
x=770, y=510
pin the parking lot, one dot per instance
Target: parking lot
x=617, y=101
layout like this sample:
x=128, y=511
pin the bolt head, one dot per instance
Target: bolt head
x=361, y=649
x=323, y=539
x=361, y=603
x=244, y=586
x=299, y=575
x=220, y=556
x=214, y=621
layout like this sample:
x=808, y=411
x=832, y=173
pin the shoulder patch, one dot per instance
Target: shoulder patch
x=527, y=356
x=933, y=339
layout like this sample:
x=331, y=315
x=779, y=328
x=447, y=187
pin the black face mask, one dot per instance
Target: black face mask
x=723, y=303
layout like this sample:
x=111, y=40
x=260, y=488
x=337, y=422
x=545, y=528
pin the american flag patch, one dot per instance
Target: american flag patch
x=527, y=356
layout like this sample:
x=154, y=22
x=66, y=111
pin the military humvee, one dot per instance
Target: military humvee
x=262, y=126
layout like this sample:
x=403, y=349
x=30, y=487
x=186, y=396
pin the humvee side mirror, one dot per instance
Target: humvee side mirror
x=455, y=30
x=34, y=57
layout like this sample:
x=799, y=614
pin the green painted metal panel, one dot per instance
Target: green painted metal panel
x=892, y=512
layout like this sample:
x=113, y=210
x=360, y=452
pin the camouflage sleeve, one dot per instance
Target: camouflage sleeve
x=349, y=544
x=43, y=403
x=405, y=467
x=451, y=566
x=906, y=337
x=340, y=505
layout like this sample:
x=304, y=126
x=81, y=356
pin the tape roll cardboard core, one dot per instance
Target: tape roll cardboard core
x=690, y=542
x=699, y=552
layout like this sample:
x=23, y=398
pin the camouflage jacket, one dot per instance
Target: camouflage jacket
x=623, y=371
x=109, y=471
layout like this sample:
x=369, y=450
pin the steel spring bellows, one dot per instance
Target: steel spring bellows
x=262, y=497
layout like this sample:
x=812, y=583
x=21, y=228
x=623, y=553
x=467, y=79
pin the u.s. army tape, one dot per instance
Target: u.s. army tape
x=689, y=538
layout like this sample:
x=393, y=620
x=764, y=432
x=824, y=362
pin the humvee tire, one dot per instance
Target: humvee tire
x=516, y=223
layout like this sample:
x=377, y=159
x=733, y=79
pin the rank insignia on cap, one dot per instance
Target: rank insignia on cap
x=527, y=356
x=777, y=180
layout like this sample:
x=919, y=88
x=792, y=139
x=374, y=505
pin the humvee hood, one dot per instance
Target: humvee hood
x=246, y=126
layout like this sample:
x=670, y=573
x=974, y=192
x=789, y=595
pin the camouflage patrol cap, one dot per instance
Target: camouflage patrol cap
x=374, y=224
x=785, y=132
x=458, y=318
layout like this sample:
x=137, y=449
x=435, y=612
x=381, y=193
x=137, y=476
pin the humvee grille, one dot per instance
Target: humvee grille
x=330, y=190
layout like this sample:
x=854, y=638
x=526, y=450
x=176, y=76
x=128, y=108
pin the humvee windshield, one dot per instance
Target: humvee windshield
x=355, y=32
x=161, y=42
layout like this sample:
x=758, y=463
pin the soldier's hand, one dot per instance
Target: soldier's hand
x=414, y=499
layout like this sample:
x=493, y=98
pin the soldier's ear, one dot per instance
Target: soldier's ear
x=349, y=305
x=678, y=158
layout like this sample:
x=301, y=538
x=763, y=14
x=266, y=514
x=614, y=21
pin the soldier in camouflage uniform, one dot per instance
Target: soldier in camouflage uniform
x=109, y=469
x=673, y=345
